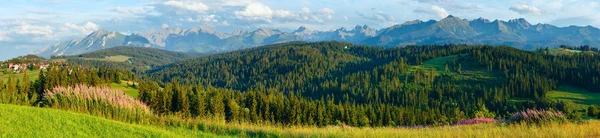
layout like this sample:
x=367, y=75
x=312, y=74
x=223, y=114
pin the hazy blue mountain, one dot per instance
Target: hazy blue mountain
x=203, y=39
x=517, y=33
x=97, y=40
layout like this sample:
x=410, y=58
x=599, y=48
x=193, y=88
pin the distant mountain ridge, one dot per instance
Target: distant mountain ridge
x=518, y=33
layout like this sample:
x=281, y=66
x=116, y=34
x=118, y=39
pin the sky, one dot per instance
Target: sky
x=28, y=25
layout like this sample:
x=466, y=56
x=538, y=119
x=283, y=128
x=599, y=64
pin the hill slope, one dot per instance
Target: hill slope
x=21, y=121
x=436, y=81
x=138, y=58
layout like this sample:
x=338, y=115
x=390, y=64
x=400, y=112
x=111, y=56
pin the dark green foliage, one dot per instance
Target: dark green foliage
x=26, y=92
x=324, y=83
x=593, y=111
x=26, y=59
x=141, y=59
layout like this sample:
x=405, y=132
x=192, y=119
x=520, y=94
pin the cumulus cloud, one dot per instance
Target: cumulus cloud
x=433, y=10
x=25, y=28
x=236, y=2
x=83, y=29
x=165, y=26
x=256, y=10
x=21, y=30
x=439, y=11
x=259, y=11
x=305, y=10
x=327, y=12
x=378, y=16
x=188, y=5
x=526, y=9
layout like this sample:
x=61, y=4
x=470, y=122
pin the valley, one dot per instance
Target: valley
x=395, y=83
x=298, y=69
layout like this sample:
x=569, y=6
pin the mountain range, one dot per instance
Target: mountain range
x=518, y=33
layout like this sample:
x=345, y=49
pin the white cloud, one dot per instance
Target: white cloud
x=204, y=18
x=439, y=11
x=525, y=9
x=378, y=16
x=305, y=10
x=209, y=18
x=83, y=29
x=256, y=10
x=283, y=14
x=434, y=11
x=3, y=37
x=225, y=23
x=165, y=26
x=28, y=29
x=327, y=12
x=236, y=2
x=122, y=10
x=188, y=5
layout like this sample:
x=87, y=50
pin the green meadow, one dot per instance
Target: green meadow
x=22, y=121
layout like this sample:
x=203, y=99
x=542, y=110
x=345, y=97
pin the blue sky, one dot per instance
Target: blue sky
x=27, y=25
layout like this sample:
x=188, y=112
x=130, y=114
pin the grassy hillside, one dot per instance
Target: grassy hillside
x=125, y=87
x=587, y=129
x=130, y=58
x=582, y=98
x=32, y=75
x=117, y=58
x=21, y=121
x=56, y=123
x=564, y=51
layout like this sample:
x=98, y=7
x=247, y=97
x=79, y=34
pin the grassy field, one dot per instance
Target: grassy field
x=125, y=88
x=582, y=98
x=562, y=51
x=585, y=129
x=119, y=58
x=471, y=72
x=22, y=121
x=32, y=75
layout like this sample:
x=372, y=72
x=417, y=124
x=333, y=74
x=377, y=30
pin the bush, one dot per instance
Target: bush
x=531, y=116
x=103, y=102
x=476, y=121
x=593, y=111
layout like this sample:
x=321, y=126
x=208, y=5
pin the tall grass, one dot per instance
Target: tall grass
x=476, y=121
x=532, y=116
x=585, y=129
x=103, y=102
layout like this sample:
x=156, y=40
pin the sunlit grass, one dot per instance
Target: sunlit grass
x=118, y=58
x=32, y=75
x=125, y=87
x=580, y=97
x=23, y=121
x=586, y=129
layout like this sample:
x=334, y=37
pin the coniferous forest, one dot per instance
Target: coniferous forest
x=327, y=84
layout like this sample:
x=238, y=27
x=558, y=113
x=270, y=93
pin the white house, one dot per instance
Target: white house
x=16, y=68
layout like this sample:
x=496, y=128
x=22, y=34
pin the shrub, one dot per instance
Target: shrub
x=103, y=102
x=593, y=111
x=537, y=117
x=476, y=121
